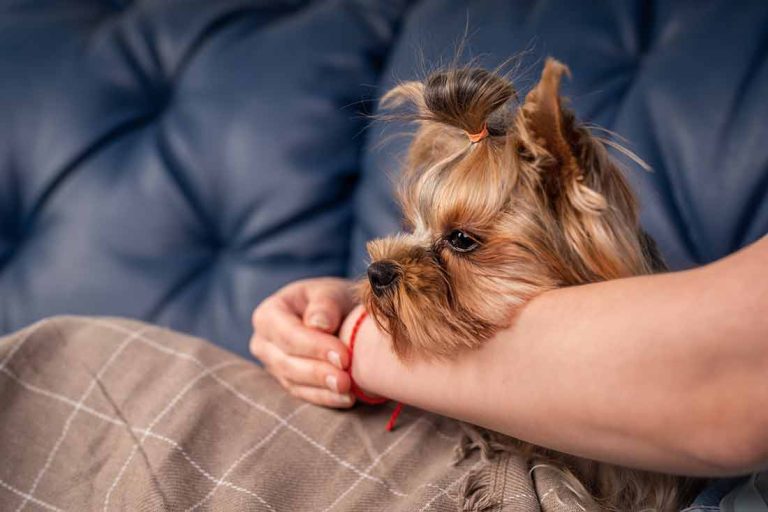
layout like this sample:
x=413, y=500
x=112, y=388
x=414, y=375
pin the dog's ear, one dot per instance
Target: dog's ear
x=547, y=125
x=544, y=115
x=579, y=181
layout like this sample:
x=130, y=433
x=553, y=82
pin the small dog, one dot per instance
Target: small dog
x=503, y=202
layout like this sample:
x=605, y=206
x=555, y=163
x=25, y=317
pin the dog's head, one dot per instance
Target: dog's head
x=533, y=204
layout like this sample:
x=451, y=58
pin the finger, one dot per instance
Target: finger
x=270, y=356
x=323, y=312
x=257, y=347
x=311, y=372
x=297, y=370
x=293, y=338
x=264, y=315
x=322, y=396
x=328, y=301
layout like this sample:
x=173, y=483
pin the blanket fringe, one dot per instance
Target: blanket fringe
x=476, y=491
x=474, y=438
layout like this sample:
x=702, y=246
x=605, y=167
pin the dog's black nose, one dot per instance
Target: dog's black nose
x=382, y=275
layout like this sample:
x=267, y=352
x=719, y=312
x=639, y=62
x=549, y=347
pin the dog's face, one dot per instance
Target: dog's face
x=536, y=205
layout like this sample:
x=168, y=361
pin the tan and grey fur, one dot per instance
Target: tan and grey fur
x=542, y=205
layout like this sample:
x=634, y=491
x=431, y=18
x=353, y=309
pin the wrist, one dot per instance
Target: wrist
x=359, y=332
x=362, y=368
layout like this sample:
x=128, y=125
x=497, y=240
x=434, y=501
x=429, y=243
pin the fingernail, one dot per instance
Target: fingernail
x=332, y=383
x=344, y=399
x=335, y=359
x=320, y=321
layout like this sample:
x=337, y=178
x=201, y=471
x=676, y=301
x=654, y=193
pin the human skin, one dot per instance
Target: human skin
x=666, y=372
x=294, y=339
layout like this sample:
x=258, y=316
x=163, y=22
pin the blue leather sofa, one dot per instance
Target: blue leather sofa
x=178, y=161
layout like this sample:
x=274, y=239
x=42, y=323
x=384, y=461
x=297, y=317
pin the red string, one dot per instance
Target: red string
x=393, y=418
x=356, y=390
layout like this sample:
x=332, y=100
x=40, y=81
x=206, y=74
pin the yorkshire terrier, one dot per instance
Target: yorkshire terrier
x=502, y=202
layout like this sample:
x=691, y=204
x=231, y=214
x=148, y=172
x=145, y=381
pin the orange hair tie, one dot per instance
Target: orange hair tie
x=477, y=137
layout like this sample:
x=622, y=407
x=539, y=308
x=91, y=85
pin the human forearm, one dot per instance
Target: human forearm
x=643, y=371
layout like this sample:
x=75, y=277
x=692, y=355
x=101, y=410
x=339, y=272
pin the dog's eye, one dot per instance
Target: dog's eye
x=461, y=241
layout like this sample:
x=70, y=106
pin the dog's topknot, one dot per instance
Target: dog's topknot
x=468, y=98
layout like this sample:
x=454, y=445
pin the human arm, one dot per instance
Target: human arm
x=666, y=372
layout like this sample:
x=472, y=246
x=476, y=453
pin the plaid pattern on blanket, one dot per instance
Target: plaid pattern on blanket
x=111, y=414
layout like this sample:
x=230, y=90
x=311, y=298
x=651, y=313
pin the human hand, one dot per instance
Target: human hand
x=294, y=339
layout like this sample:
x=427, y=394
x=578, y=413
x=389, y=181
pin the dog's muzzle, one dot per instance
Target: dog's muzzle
x=382, y=275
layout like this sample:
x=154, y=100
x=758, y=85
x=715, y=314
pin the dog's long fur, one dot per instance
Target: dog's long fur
x=547, y=207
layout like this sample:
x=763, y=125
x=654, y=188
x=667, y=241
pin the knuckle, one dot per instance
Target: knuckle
x=258, y=314
x=288, y=343
x=286, y=367
x=287, y=288
x=264, y=312
x=279, y=366
x=255, y=347
x=270, y=368
x=271, y=362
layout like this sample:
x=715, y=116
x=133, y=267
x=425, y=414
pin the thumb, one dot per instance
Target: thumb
x=323, y=312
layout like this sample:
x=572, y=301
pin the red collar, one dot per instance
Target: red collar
x=356, y=390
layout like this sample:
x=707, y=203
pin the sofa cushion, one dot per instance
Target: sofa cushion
x=178, y=161
x=683, y=82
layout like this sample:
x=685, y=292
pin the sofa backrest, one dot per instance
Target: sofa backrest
x=684, y=83
x=178, y=161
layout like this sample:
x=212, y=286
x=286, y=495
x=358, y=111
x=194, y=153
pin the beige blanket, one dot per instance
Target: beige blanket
x=111, y=414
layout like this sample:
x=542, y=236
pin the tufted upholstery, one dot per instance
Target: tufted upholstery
x=177, y=161
x=684, y=82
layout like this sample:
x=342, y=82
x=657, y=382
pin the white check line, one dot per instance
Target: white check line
x=73, y=414
x=150, y=342
x=115, y=421
x=156, y=420
x=311, y=441
x=118, y=422
x=242, y=457
x=199, y=468
x=29, y=497
x=375, y=462
x=444, y=492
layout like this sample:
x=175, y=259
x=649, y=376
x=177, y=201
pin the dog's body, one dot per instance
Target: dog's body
x=504, y=203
